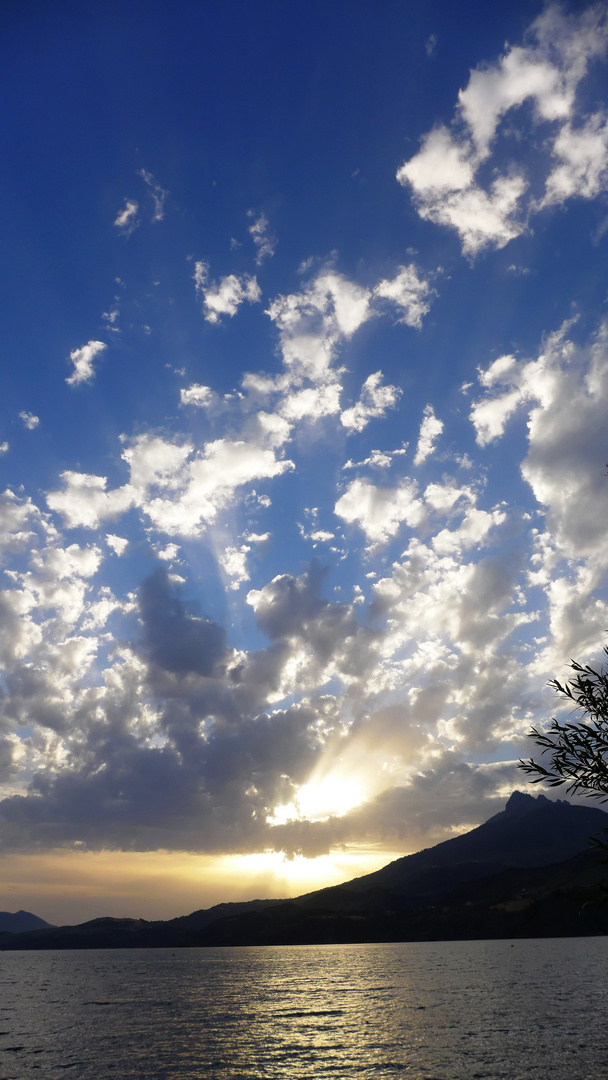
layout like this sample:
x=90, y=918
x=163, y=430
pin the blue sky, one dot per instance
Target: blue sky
x=302, y=428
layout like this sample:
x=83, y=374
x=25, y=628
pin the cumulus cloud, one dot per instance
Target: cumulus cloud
x=430, y=430
x=226, y=297
x=380, y=511
x=175, y=639
x=119, y=544
x=410, y=294
x=83, y=361
x=30, y=421
x=562, y=395
x=562, y=392
x=180, y=490
x=127, y=219
x=379, y=459
x=154, y=725
x=233, y=560
x=374, y=401
x=444, y=177
x=197, y=395
x=313, y=322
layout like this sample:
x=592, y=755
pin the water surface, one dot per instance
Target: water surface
x=426, y=1011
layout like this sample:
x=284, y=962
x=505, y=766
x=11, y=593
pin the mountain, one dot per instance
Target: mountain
x=20, y=921
x=526, y=872
x=528, y=832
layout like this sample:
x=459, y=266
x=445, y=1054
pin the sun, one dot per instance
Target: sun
x=318, y=800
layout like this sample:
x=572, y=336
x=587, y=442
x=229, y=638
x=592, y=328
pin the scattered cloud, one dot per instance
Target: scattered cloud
x=430, y=430
x=119, y=544
x=379, y=459
x=127, y=219
x=197, y=395
x=29, y=420
x=83, y=360
x=374, y=401
x=226, y=297
x=264, y=241
x=380, y=511
x=157, y=194
x=145, y=700
x=134, y=715
x=408, y=292
x=445, y=176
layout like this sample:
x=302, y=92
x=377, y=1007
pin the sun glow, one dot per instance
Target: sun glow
x=351, y=772
x=319, y=800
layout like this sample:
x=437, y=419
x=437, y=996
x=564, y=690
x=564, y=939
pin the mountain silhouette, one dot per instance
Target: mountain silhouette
x=19, y=921
x=528, y=871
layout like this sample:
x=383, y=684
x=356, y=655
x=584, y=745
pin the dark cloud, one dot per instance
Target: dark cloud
x=173, y=638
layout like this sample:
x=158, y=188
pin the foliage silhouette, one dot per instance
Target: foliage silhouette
x=578, y=750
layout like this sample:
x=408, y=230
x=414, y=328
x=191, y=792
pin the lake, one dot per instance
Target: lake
x=426, y=1011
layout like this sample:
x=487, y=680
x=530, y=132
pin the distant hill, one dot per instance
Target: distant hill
x=20, y=921
x=526, y=872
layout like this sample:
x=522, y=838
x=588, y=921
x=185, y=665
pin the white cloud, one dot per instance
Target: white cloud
x=226, y=297
x=408, y=292
x=442, y=165
x=311, y=531
x=20, y=521
x=374, y=401
x=582, y=169
x=380, y=511
x=29, y=421
x=313, y=402
x=111, y=318
x=157, y=193
x=4, y=447
x=379, y=459
x=405, y=684
x=264, y=241
x=82, y=360
x=181, y=491
x=430, y=430
x=118, y=543
x=85, y=501
x=197, y=395
x=168, y=553
x=313, y=322
x=127, y=220
x=233, y=561
x=563, y=394
x=546, y=72
x=490, y=416
x=472, y=531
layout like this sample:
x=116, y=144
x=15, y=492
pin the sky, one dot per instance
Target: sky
x=303, y=433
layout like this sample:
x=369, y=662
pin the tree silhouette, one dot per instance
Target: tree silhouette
x=577, y=751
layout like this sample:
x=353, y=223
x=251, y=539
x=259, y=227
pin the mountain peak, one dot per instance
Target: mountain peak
x=520, y=802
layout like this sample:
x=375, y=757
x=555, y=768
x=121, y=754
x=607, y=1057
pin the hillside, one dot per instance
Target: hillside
x=526, y=872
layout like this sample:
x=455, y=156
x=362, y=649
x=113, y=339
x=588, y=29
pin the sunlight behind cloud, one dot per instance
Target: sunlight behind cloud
x=319, y=800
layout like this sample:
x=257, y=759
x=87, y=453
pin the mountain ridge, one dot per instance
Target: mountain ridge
x=520, y=873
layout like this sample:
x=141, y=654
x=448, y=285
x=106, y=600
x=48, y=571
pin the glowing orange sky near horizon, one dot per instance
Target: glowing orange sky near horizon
x=67, y=886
